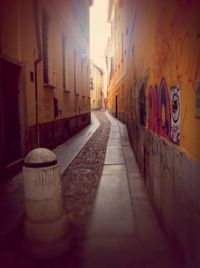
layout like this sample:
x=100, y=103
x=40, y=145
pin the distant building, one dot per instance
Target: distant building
x=96, y=87
x=44, y=69
x=108, y=58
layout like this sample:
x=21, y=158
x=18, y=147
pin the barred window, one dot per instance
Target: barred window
x=45, y=29
x=64, y=61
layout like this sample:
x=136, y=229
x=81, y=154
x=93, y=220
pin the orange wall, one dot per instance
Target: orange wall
x=163, y=51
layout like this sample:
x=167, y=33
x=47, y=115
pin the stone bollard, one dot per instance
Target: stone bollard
x=45, y=227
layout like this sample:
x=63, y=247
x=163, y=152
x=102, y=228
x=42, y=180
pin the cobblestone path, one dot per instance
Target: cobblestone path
x=80, y=181
x=81, y=178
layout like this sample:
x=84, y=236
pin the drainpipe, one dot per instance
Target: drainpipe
x=36, y=62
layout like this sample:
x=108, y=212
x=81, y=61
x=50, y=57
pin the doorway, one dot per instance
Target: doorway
x=9, y=119
x=116, y=106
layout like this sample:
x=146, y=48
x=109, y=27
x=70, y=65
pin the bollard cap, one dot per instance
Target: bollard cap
x=40, y=157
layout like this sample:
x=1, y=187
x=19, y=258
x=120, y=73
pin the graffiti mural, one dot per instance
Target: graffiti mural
x=175, y=114
x=159, y=110
x=198, y=100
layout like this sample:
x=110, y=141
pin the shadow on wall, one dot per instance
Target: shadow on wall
x=172, y=180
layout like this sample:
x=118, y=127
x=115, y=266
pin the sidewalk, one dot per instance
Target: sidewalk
x=11, y=192
x=67, y=151
x=124, y=231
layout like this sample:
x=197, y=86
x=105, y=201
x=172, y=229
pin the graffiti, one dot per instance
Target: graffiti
x=153, y=109
x=198, y=100
x=164, y=110
x=159, y=110
x=142, y=99
x=183, y=44
x=178, y=57
x=172, y=58
x=179, y=20
x=175, y=114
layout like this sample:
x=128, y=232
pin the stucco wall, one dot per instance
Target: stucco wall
x=18, y=44
x=157, y=87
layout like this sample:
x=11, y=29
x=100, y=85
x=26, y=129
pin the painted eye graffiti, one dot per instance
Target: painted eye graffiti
x=175, y=107
x=164, y=111
x=175, y=114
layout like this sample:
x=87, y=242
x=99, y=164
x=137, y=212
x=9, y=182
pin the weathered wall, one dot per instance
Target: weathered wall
x=158, y=98
x=18, y=45
x=173, y=183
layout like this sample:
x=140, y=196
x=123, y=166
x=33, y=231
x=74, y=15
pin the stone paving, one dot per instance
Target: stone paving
x=81, y=178
x=11, y=191
x=112, y=223
x=12, y=202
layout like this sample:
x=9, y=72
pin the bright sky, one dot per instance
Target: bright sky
x=99, y=31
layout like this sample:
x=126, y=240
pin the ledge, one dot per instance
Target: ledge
x=66, y=90
x=49, y=86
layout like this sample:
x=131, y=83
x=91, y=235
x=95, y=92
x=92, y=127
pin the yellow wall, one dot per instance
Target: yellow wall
x=18, y=44
x=96, y=93
x=163, y=50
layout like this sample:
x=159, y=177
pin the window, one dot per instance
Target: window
x=64, y=61
x=122, y=48
x=45, y=28
x=75, y=71
x=112, y=66
x=82, y=78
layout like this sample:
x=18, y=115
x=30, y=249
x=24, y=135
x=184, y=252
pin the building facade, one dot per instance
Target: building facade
x=44, y=70
x=154, y=79
x=96, y=87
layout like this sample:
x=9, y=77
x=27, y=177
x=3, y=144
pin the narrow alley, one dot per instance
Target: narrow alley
x=99, y=134
x=111, y=220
